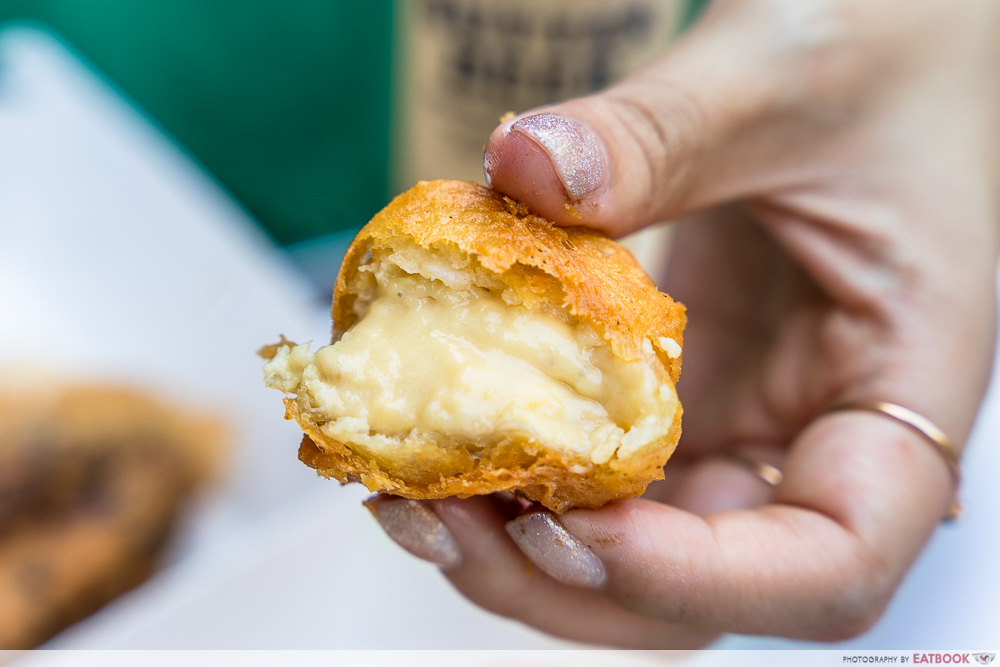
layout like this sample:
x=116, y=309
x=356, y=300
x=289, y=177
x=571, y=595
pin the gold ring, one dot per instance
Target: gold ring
x=769, y=474
x=924, y=427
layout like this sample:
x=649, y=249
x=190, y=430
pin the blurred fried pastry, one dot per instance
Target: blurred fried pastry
x=478, y=348
x=92, y=479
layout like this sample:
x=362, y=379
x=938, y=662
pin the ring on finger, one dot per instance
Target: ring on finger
x=925, y=427
x=767, y=473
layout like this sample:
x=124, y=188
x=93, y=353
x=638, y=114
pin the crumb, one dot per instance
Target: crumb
x=572, y=211
x=270, y=351
x=670, y=346
x=515, y=207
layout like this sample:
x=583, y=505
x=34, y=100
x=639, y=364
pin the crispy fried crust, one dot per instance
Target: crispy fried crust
x=575, y=269
x=541, y=476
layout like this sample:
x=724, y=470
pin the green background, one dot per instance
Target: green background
x=285, y=103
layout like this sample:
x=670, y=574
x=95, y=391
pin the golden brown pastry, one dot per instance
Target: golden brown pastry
x=92, y=479
x=478, y=348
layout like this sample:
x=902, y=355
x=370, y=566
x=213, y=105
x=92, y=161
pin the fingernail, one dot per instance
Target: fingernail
x=492, y=153
x=555, y=551
x=577, y=154
x=415, y=527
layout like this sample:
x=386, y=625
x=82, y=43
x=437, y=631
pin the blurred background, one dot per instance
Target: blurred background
x=313, y=113
x=178, y=181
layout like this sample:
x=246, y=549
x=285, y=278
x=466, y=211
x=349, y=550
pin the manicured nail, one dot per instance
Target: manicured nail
x=415, y=527
x=577, y=154
x=555, y=551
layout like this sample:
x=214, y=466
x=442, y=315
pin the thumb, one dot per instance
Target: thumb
x=719, y=116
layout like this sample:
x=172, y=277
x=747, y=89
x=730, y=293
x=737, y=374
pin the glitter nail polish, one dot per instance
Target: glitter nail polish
x=577, y=154
x=556, y=551
x=415, y=527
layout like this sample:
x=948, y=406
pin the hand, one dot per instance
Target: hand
x=837, y=166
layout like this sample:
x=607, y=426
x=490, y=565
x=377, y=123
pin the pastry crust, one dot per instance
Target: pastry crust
x=580, y=275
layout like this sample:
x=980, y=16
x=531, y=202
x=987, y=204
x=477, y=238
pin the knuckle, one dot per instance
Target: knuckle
x=857, y=604
x=850, y=619
x=668, y=130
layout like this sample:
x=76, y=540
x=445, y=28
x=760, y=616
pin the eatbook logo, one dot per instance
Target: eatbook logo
x=984, y=658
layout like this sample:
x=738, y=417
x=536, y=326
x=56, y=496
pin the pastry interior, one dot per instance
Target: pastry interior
x=445, y=369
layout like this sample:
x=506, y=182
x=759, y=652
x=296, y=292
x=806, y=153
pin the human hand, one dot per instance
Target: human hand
x=837, y=163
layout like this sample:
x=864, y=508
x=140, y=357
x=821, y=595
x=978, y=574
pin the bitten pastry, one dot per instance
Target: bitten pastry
x=478, y=348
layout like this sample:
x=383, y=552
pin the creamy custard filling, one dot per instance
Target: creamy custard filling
x=438, y=350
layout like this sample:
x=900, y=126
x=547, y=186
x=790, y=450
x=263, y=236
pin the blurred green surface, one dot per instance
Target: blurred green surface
x=286, y=103
x=694, y=9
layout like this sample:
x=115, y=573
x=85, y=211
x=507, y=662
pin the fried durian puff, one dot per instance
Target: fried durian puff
x=478, y=348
